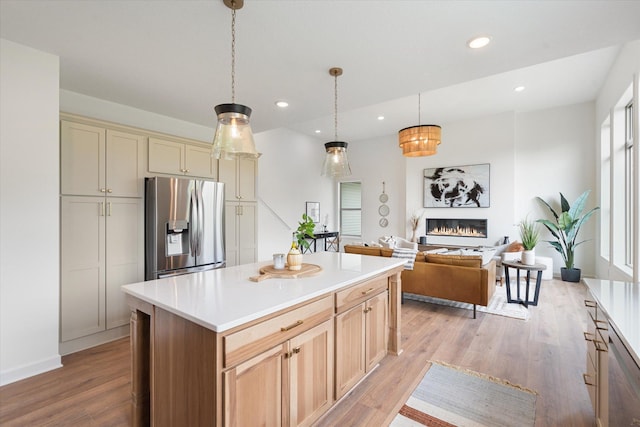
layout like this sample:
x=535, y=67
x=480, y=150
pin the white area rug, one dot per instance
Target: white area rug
x=498, y=304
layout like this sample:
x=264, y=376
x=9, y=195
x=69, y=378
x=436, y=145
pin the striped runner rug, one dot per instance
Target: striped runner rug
x=449, y=396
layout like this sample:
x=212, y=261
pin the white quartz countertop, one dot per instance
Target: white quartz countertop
x=621, y=302
x=225, y=298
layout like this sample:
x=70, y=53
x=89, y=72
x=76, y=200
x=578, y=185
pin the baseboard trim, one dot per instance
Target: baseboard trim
x=25, y=371
x=93, y=340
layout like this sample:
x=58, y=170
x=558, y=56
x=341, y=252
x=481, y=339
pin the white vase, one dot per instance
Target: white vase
x=528, y=257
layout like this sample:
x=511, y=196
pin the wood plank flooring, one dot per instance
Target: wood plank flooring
x=546, y=353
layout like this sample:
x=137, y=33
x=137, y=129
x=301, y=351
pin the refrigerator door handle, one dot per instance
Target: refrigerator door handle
x=200, y=218
x=193, y=219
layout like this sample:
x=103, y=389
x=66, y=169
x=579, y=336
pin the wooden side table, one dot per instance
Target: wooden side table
x=539, y=268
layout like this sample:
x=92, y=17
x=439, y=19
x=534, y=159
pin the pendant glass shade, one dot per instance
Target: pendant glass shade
x=336, y=163
x=418, y=141
x=233, y=137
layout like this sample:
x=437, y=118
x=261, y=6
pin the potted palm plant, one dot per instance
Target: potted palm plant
x=304, y=230
x=529, y=235
x=565, y=228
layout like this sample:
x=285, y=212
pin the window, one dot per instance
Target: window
x=605, y=186
x=629, y=187
x=351, y=208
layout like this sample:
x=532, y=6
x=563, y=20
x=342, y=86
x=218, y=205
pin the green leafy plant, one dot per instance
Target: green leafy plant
x=529, y=234
x=304, y=230
x=566, y=225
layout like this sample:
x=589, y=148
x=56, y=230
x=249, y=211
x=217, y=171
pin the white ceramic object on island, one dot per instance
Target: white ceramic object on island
x=528, y=257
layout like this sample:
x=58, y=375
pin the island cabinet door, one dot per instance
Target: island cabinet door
x=310, y=357
x=253, y=391
x=350, y=349
x=376, y=332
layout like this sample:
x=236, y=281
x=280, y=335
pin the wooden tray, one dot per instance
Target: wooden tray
x=268, y=272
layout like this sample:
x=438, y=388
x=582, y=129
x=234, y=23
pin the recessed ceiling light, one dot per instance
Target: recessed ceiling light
x=317, y=130
x=478, y=42
x=518, y=88
x=282, y=104
x=380, y=117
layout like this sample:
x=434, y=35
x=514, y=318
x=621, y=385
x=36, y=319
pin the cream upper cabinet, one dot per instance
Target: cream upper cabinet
x=239, y=176
x=96, y=161
x=178, y=158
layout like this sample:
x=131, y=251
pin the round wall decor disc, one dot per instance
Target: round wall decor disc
x=383, y=222
x=383, y=210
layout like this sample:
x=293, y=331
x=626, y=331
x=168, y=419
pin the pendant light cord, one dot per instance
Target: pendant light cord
x=419, y=109
x=233, y=54
x=335, y=107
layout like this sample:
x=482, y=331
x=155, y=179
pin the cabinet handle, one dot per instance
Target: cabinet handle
x=586, y=338
x=109, y=190
x=108, y=208
x=296, y=350
x=589, y=303
x=584, y=378
x=103, y=190
x=368, y=309
x=368, y=291
x=186, y=171
x=287, y=328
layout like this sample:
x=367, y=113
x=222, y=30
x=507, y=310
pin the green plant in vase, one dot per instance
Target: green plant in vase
x=565, y=229
x=305, y=229
x=529, y=235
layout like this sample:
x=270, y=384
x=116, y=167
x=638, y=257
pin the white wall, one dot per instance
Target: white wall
x=483, y=140
x=75, y=103
x=624, y=73
x=372, y=163
x=288, y=177
x=29, y=237
x=555, y=152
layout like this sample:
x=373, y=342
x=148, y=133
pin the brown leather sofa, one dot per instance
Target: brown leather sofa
x=453, y=277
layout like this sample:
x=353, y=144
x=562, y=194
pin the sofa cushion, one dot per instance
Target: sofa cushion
x=364, y=250
x=461, y=260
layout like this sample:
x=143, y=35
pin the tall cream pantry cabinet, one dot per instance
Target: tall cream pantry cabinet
x=102, y=230
x=239, y=177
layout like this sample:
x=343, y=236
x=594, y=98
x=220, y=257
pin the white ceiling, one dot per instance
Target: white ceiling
x=173, y=57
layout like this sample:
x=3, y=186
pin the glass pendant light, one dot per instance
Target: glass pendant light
x=421, y=140
x=233, y=138
x=336, y=163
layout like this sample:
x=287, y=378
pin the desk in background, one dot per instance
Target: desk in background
x=331, y=241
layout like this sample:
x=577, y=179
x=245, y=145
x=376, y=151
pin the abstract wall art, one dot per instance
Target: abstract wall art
x=457, y=187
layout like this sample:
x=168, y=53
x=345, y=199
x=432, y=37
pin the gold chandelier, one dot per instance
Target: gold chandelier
x=233, y=137
x=421, y=140
x=336, y=163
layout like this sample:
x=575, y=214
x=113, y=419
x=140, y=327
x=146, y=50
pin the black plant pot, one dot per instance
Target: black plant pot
x=570, y=274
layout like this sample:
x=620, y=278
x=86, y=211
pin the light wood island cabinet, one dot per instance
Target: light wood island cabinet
x=361, y=332
x=259, y=367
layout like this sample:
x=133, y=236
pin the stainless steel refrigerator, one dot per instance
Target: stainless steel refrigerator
x=184, y=226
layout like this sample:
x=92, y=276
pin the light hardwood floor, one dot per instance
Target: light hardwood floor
x=546, y=353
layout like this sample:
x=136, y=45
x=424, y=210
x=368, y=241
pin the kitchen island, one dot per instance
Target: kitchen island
x=214, y=348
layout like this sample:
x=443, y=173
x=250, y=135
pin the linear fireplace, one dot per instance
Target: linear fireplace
x=457, y=227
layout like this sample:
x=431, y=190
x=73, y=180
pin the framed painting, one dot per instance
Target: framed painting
x=457, y=187
x=313, y=211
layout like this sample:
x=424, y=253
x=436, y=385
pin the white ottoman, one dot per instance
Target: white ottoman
x=547, y=274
